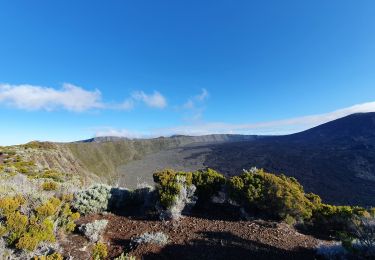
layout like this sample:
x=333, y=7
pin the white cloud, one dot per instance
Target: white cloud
x=128, y=104
x=155, y=100
x=107, y=131
x=191, y=102
x=286, y=126
x=194, y=106
x=203, y=95
x=69, y=97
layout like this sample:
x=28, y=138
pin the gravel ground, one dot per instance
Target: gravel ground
x=195, y=237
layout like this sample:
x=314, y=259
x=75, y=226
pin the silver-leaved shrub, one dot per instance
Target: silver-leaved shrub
x=92, y=200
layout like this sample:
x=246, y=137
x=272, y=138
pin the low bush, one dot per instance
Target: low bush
x=208, y=183
x=99, y=251
x=92, y=200
x=169, y=185
x=39, y=145
x=54, y=256
x=67, y=217
x=362, y=234
x=26, y=232
x=50, y=174
x=49, y=186
x=48, y=209
x=278, y=197
x=335, y=220
x=10, y=204
x=175, y=193
x=94, y=230
x=124, y=256
x=36, y=233
x=158, y=238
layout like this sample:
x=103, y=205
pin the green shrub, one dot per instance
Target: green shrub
x=23, y=167
x=274, y=196
x=54, y=256
x=37, y=232
x=92, y=200
x=48, y=209
x=208, y=183
x=26, y=233
x=39, y=145
x=168, y=185
x=10, y=204
x=67, y=217
x=16, y=226
x=334, y=220
x=175, y=193
x=49, y=186
x=99, y=251
x=50, y=174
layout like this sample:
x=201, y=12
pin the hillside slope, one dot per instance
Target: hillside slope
x=335, y=160
x=104, y=156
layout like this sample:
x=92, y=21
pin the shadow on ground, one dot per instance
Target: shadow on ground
x=225, y=245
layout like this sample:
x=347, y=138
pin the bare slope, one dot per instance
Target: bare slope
x=335, y=160
x=105, y=157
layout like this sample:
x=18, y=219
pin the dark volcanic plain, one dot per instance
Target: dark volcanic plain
x=335, y=160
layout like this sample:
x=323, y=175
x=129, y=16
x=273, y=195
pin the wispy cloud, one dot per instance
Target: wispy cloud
x=69, y=97
x=108, y=131
x=278, y=127
x=192, y=102
x=203, y=95
x=285, y=126
x=195, y=106
x=128, y=104
x=155, y=100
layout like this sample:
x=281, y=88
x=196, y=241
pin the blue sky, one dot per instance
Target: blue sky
x=71, y=70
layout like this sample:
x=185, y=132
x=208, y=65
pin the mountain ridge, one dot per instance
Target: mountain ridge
x=335, y=160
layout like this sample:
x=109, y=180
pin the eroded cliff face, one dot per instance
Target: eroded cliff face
x=51, y=156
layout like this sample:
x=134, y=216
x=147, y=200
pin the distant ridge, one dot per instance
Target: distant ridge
x=335, y=160
x=193, y=139
x=359, y=125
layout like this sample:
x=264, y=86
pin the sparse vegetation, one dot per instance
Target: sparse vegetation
x=176, y=193
x=208, y=182
x=54, y=256
x=36, y=204
x=158, y=238
x=124, y=256
x=169, y=185
x=92, y=200
x=274, y=196
x=99, y=251
x=94, y=230
x=38, y=145
x=49, y=185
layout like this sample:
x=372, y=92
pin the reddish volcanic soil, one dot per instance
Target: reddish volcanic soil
x=198, y=238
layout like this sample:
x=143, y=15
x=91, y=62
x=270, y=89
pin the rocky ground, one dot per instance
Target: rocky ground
x=198, y=237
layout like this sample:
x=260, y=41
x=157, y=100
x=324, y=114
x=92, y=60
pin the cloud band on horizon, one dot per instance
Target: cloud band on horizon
x=278, y=127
